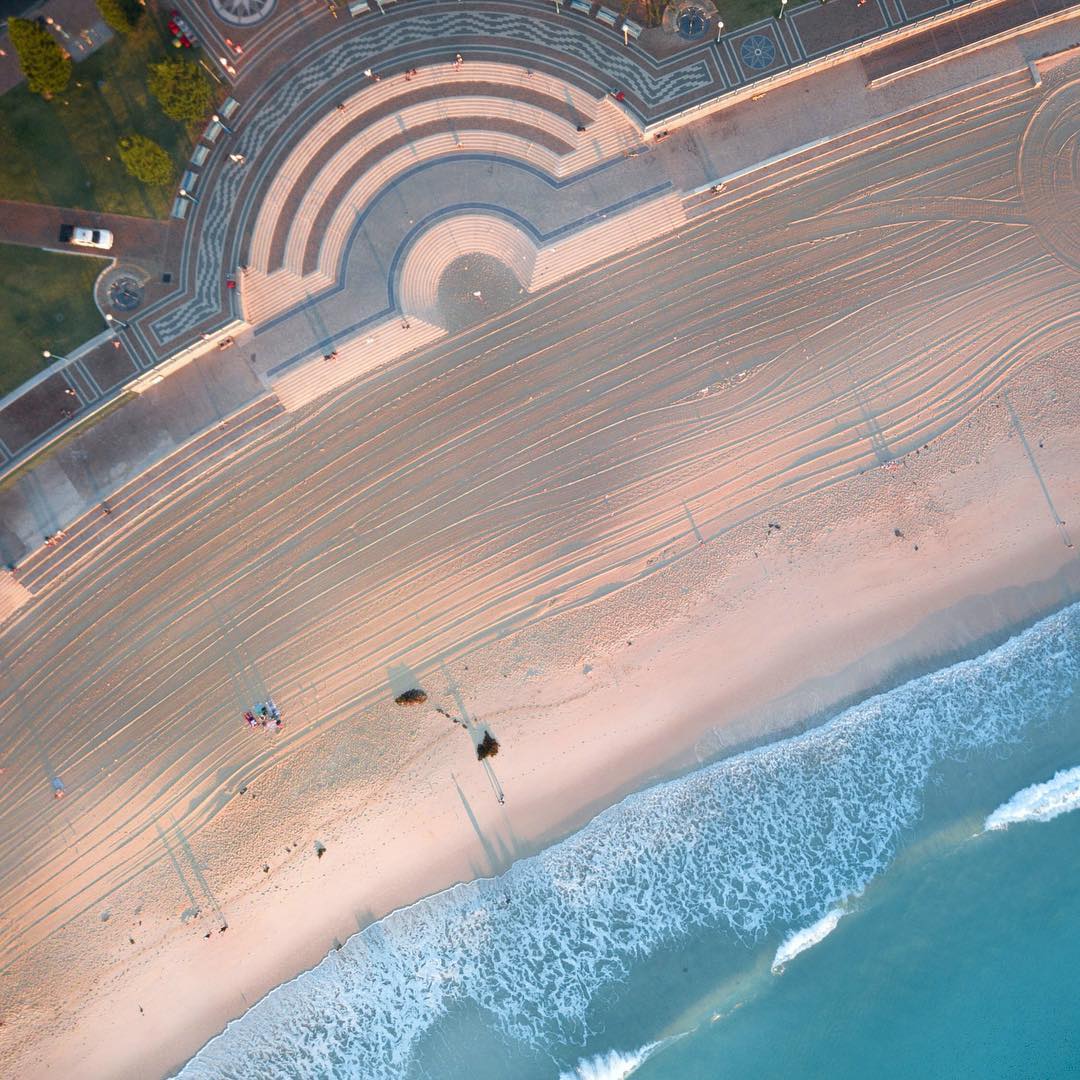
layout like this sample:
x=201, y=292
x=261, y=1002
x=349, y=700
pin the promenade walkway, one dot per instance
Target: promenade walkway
x=289, y=67
x=356, y=194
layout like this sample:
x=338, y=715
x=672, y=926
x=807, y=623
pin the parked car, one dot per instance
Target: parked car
x=182, y=34
x=83, y=237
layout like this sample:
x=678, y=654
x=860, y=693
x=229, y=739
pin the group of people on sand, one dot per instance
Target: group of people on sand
x=266, y=716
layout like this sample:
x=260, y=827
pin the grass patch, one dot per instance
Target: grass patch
x=48, y=303
x=76, y=429
x=736, y=13
x=58, y=151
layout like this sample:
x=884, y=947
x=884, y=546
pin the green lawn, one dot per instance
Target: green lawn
x=58, y=151
x=48, y=303
x=736, y=13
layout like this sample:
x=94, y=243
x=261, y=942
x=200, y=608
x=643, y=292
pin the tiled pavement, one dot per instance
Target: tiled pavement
x=573, y=47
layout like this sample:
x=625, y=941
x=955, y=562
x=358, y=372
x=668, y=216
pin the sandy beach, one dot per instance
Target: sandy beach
x=625, y=529
x=723, y=644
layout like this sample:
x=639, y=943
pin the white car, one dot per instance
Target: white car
x=101, y=239
x=95, y=238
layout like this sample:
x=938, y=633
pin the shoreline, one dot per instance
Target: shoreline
x=743, y=649
x=930, y=663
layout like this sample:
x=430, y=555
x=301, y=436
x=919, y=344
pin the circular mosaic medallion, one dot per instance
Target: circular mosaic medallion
x=692, y=23
x=124, y=294
x=757, y=52
x=242, y=12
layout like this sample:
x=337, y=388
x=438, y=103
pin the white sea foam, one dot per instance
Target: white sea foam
x=610, y=1066
x=800, y=940
x=1040, y=802
x=776, y=836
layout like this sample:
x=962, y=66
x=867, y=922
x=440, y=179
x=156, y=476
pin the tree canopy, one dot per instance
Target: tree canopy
x=46, y=66
x=119, y=15
x=146, y=161
x=181, y=89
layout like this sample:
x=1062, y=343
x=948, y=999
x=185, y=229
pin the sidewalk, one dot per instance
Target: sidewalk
x=88, y=468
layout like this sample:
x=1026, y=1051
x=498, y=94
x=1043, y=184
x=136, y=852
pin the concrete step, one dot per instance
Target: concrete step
x=424, y=263
x=375, y=347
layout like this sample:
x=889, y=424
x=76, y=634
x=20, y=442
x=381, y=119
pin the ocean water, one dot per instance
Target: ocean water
x=894, y=893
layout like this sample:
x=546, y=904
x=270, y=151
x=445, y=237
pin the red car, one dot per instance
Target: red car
x=181, y=30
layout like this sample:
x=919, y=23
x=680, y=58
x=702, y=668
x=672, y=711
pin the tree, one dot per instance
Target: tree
x=181, y=89
x=46, y=66
x=120, y=15
x=488, y=746
x=146, y=161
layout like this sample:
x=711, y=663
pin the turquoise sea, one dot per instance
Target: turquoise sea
x=832, y=905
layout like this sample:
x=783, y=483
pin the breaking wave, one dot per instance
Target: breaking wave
x=1040, y=802
x=801, y=940
x=610, y=1066
x=775, y=837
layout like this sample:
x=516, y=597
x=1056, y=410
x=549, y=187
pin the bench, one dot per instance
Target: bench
x=582, y=6
x=607, y=17
x=179, y=208
x=632, y=28
x=199, y=155
x=189, y=180
x=358, y=7
x=228, y=107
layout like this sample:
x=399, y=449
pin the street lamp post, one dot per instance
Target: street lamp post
x=719, y=30
x=224, y=127
x=783, y=8
x=185, y=194
x=113, y=321
x=49, y=356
